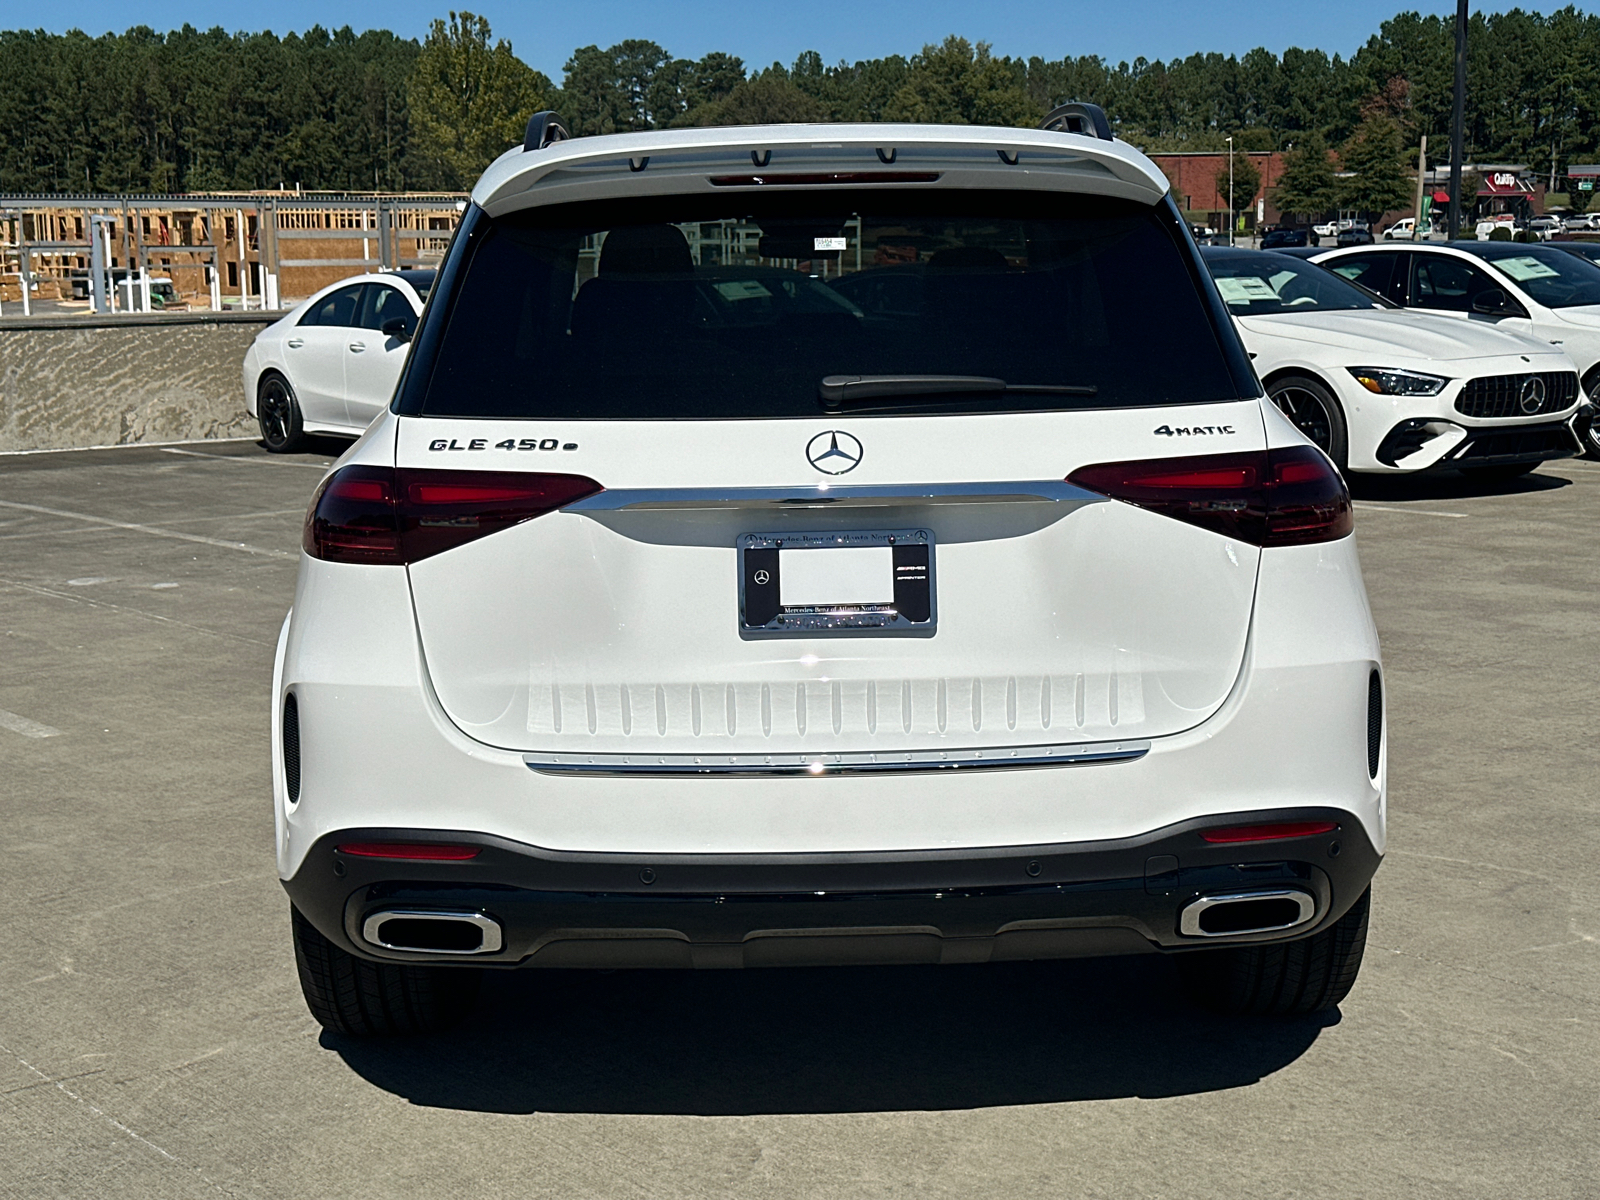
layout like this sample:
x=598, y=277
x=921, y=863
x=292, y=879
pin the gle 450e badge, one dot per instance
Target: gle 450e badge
x=508, y=444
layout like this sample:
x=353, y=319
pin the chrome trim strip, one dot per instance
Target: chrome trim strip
x=1189, y=918
x=490, y=928
x=823, y=495
x=898, y=762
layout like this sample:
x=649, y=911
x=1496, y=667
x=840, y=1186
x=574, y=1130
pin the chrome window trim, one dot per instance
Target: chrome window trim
x=822, y=495
x=896, y=762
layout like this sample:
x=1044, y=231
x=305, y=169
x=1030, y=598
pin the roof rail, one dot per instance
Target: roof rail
x=544, y=128
x=1077, y=116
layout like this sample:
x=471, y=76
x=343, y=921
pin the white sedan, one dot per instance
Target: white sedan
x=1385, y=390
x=331, y=364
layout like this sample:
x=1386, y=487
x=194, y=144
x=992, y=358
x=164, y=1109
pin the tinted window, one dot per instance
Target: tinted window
x=1442, y=282
x=739, y=306
x=336, y=308
x=1254, y=282
x=385, y=304
x=1552, y=277
x=1375, y=272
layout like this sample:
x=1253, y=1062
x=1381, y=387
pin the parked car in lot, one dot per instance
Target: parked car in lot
x=1402, y=230
x=1386, y=390
x=1358, y=234
x=1544, y=228
x=1579, y=222
x=1538, y=291
x=1283, y=238
x=330, y=365
x=1012, y=622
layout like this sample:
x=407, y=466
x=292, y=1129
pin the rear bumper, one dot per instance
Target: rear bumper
x=1067, y=900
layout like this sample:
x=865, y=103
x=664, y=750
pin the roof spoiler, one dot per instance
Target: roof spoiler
x=545, y=127
x=1075, y=116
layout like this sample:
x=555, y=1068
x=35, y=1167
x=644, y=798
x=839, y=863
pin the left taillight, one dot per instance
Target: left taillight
x=395, y=516
x=1290, y=496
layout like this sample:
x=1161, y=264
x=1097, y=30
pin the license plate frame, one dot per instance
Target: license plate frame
x=912, y=613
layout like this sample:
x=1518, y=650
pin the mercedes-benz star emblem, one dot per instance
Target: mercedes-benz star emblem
x=763, y=577
x=1532, y=394
x=834, y=452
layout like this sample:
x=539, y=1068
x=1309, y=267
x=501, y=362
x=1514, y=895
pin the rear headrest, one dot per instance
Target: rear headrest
x=645, y=250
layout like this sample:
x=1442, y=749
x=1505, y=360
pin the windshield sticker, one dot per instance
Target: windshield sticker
x=1525, y=267
x=1242, y=289
x=828, y=243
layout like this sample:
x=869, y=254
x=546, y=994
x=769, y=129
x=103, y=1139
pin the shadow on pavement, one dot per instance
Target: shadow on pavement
x=863, y=1039
x=1450, y=485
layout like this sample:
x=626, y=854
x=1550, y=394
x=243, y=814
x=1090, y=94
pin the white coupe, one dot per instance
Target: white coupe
x=331, y=364
x=1383, y=389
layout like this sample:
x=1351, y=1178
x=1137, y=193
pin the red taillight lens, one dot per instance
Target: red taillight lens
x=353, y=517
x=410, y=850
x=1267, y=833
x=1285, y=497
x=382, y=515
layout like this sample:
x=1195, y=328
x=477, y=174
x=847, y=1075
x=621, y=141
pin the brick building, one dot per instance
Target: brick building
x=1194, y=184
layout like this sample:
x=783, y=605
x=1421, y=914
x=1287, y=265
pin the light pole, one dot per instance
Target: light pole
x=1458, y=121
x=1230, y=186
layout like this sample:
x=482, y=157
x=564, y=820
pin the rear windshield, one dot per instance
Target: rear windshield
x=742, y=306
x=1256, y=283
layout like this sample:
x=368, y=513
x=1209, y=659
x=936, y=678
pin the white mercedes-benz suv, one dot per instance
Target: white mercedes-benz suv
x=681, y=612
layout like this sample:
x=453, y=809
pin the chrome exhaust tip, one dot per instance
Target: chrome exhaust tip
x=1229, y=914
x=433, y=931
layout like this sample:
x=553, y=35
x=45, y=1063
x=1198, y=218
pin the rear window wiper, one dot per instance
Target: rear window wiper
x=837, y=392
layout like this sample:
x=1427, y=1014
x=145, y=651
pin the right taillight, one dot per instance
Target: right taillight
x=1285, y=497
x=397, y=516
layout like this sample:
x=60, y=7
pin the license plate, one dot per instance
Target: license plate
x=877, y=583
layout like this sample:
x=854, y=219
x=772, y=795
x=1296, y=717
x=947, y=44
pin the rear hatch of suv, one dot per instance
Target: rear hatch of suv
x=798, y=466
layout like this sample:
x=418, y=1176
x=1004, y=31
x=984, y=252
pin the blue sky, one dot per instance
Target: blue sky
x=761, y=31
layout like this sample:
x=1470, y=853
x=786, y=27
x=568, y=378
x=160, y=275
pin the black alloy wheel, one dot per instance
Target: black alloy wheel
x=1312, y=408
x=278, y=413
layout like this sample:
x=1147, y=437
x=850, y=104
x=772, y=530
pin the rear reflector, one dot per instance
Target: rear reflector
x=1285, y=497
x=1267, y=833
x=384, y=515
x=411, y=850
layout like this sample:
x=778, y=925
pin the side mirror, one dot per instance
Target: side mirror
x=398, y=328
x=1492, y=302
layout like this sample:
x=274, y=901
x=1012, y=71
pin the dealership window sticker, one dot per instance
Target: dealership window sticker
x=1526, y=268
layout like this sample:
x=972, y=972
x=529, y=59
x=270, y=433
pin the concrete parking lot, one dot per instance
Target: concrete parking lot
x=153, y=1041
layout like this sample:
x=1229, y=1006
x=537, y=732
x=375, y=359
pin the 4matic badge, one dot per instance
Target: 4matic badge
x=1192, y=430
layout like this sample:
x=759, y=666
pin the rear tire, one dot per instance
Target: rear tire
x=1315, y=411
x=1486, y=476
x=278, y=414
x=352, y=996
x=1285, y=978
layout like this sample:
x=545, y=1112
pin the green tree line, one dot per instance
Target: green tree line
x=192, y=110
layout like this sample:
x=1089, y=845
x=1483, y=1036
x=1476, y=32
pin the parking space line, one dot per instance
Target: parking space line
x=1426, y=512
x=27, y=728
x=125, y=446
x=138, y=612
x=151, y=530
x=265, y=462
